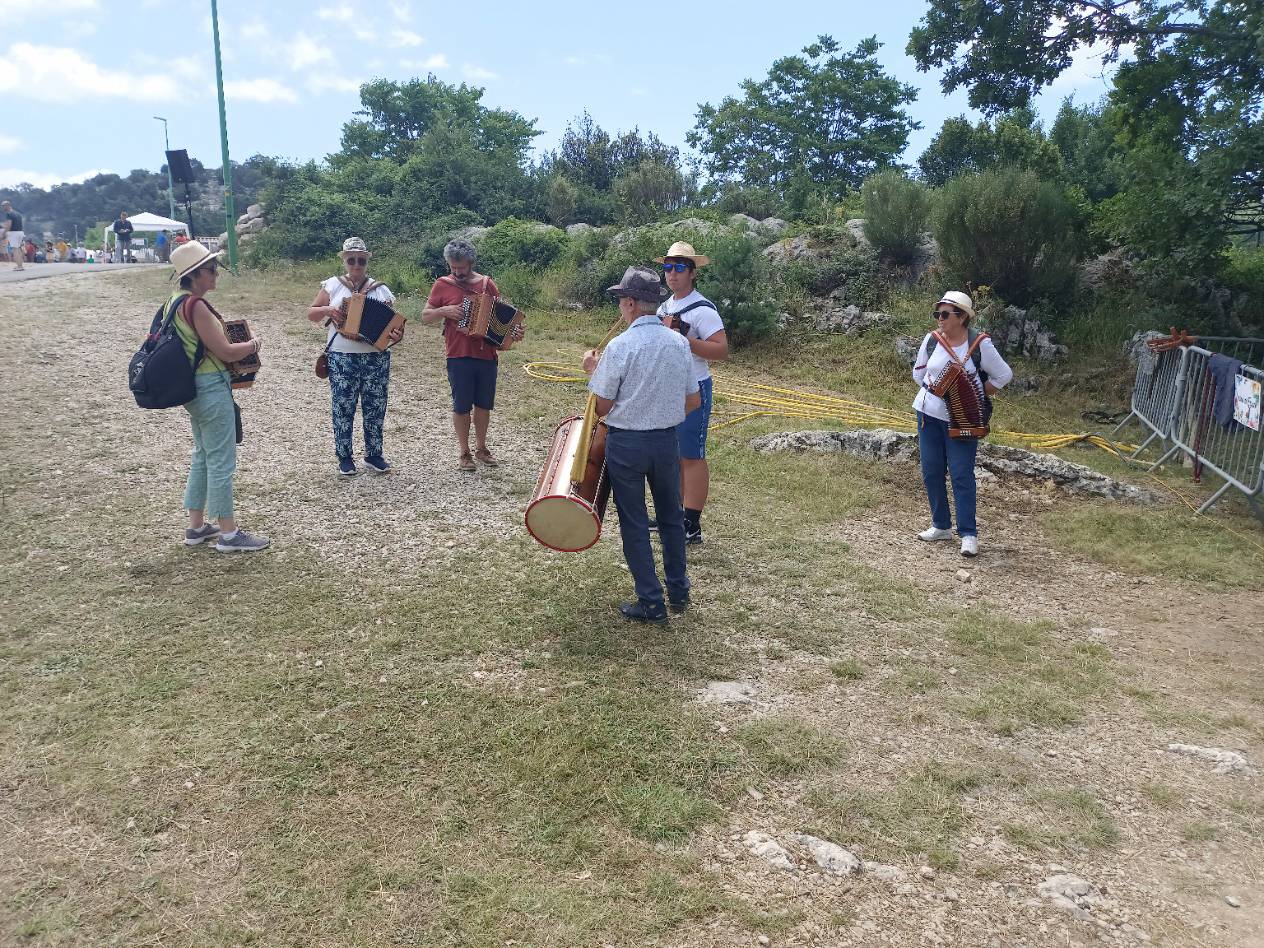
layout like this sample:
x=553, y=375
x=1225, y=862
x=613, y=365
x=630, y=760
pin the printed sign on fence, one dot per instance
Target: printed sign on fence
x=1246, y=402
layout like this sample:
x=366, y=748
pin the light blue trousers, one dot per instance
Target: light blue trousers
x=210, y=486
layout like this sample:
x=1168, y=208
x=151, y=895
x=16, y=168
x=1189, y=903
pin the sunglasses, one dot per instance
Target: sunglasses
x=677, y=267
x=212, y=267
x=945, y=313
x=357, y=261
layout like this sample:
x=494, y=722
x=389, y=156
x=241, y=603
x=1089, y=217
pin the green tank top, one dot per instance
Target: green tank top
x=188, y=336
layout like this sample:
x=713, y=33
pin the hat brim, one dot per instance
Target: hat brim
x=211, y=255
x=699, y=260
x=968, y=310
x=343, y=253
x=618, y=290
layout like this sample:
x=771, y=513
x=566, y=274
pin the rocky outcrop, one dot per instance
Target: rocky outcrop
x=774, y=226
x=849, y=320
x=578, y=230
x=1001, y=460
x=1014, y=333
x=249, y=225
x=906, y=348
x=793, y=249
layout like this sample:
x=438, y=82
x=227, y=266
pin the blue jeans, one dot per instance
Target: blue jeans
x=210, y=484
x=634, y=458
x=944, y=455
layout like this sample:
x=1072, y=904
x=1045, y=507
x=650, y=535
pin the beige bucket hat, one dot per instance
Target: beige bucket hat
x=685, y=251
x=960, y=300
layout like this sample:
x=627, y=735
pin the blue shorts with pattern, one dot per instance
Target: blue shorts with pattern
x=691, y=433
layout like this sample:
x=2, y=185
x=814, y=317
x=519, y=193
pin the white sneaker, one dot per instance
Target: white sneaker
x=933, y=534
x=969, y=546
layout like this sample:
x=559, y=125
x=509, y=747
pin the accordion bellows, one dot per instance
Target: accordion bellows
x=958, y=389
x=369, y=320
x=242, y=373
x=491, y=318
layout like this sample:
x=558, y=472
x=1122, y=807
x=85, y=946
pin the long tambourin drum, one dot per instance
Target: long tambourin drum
x=564, y=514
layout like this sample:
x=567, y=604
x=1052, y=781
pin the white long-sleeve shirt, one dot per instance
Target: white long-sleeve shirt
x=998, y=372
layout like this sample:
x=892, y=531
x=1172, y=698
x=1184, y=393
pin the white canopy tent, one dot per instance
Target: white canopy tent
x=147, y=222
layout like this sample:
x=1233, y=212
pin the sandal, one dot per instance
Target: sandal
x=467, y=462
x=486, y=457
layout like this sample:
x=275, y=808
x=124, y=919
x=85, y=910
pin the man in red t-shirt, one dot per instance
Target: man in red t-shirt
x=471, y=361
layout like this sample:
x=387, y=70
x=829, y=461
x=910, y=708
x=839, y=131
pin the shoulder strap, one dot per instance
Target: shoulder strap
x=199, y=352
x=975, y=353
x=695, y=305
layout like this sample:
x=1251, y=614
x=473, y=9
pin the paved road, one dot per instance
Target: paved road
x=35, y=271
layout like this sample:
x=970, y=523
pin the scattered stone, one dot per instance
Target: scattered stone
x=754, y=794
x=884, y=873
x=884, y=444
x=727, y=692
x=1074, y=895
x=906, y=348
x=850, y=320
x=768, y=849
x=1014, y=333
x=578, y=230
x=1233, y=901
x=905, y=888
x=1023, y=386
x=763, y=940
x=927, y=873
x=829, y=856
x=950, y=895
x=963, y=576
x=1226, y=761
x=1101, y=634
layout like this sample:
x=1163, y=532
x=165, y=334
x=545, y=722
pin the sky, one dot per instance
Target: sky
x=81, y=80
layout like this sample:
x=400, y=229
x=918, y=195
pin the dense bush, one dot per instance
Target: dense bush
x=853, y=268
x=1010, y=230
x=895, y=211
x=634, y=247
x=738, y=282
x=524, y=243
x=649, y=190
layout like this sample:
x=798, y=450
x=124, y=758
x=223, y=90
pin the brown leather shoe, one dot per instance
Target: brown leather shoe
x=486, y=457
x=467, y=462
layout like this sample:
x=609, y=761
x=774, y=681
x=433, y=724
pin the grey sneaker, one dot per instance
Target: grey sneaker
x=208, y=531
x=242, y=542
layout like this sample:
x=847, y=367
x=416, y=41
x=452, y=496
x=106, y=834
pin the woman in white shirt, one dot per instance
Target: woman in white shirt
x=357, y=371
x=943, y=455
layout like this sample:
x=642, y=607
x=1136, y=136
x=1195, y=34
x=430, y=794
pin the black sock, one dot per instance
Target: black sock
x=693, y=520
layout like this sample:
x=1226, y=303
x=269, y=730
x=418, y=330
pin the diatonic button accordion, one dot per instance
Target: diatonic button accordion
x=369, y=320
x=492, y=319
x=242, y=372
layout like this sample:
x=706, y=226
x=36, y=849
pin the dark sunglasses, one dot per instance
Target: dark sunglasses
x=945, y=313
x=357, y=261
x=678, y=267
x=212, y=267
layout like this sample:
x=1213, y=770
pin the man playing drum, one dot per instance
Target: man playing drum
x=644, y=383
x=472, y=361
x=696, y=318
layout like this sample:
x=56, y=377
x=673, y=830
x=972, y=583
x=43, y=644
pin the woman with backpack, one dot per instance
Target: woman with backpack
x=209, y=491
x=957, y=369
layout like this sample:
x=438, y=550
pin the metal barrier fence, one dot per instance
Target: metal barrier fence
x=1246, y=348
x=1154, y=394
x=1203, y=425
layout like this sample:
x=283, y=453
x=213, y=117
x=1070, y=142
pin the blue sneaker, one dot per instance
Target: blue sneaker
x=377, y=464
x=347, y=468
x=208, y=531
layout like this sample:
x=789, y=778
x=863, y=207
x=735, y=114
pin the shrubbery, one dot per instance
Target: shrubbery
x=514, y=242
x=738, y=281
x=896, y=212
x=1010, y=230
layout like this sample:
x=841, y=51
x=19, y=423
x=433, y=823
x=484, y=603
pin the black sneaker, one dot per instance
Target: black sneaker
x=347, y=468
x=377, y=464
x=678, y=606
x=693, y=537
x=637, y=612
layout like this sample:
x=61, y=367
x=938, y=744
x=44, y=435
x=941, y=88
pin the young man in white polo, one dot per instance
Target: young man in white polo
x=696, y=318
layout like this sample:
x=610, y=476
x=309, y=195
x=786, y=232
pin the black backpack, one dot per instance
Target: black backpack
x=160, y=375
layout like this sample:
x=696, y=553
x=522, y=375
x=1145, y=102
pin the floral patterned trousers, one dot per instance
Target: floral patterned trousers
x=359, y=377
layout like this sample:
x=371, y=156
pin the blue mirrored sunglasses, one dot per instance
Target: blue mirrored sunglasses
x=678, y=267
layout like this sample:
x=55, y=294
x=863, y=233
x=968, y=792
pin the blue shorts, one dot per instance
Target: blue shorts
x=473, y=383
x=691, y=434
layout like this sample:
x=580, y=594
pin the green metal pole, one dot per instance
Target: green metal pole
x=171, y=184
x=230, y=205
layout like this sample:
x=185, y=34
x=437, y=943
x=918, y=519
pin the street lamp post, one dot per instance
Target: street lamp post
x=171, y=184
x=230, y=204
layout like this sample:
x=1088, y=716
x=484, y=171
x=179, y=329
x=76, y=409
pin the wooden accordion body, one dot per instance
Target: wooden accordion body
x=492, y=319
x=369, y=320
x=966, y=414
x=572, y=491
x=242, y=373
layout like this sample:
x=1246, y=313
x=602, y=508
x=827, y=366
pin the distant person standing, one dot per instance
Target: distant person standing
x=123, y=236
x=162, y=243
x=13, y=235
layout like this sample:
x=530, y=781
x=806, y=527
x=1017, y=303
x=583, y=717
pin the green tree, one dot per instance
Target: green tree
x=819, y=122
x=1010, y=230
x=896, y=211
x=649, y=189
x=1085, y=138
x=1014, y=139
x=561, y=201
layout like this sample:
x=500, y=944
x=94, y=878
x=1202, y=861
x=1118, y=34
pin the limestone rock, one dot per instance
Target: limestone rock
x=856, y=228
x=1111, y=269
x=254, y=210
x=885, y=873
x=1137, y=351
x=743, y=222
x=790, y=250
x=727, y=692
x=473, y=234
x=880, y=444
x=774, y=225
x=768, y=849
x=829, y=856
x=1014, y=334
x=1071, y=893
x=578, y=230
x=243, y=218
x=906, y=348
x=850, y=320
x=1226, y=761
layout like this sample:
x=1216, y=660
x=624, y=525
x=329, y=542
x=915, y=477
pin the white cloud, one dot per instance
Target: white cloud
x=305, y=51
x=8, y=143
x=12, y=177
x=14, y=13
x=590, y=59
x=342, y=13
x=403, y=10
x=437, y=61
x=62, y=74
x=364, y=34
x=258, y=90
x=478, y=73
x=255, y=30
x=404, y=38
x=334, y=84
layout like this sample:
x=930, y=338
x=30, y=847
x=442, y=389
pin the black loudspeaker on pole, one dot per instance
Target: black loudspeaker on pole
x=182, y=171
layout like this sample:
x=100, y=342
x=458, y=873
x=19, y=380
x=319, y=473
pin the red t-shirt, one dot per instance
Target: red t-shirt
x=447, y=292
